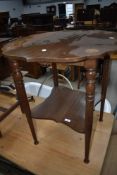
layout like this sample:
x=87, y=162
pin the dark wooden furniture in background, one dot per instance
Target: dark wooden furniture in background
x=51, y=10
x=106, y=19
x=78, y=7
x=4, y=17
x=60, y=23
x=34, y=70
x=4, y=65
x=109, y=15
x=73, y=108
x=33, y=23
x=38, y=22
x=19, y=30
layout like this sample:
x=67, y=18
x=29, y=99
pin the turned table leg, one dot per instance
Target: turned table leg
x=90, y=94
x=104, y=84
x=55, y=75
x=22, y=97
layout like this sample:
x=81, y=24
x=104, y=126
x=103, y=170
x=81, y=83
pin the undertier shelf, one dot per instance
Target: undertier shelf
x=64, y=106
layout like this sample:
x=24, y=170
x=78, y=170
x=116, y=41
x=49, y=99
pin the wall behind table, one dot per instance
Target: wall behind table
x=101, y=2
x=15, y=7
x=112, y=86
x=38, y=8
x=41, y=8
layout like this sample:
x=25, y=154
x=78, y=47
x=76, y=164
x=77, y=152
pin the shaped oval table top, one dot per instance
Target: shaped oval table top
x=62, y=46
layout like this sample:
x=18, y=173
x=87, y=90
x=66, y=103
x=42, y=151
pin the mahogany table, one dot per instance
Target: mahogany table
x=71, y=107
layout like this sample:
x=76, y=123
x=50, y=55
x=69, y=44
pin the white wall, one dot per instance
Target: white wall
x=41, y=8
x=102, y=2
x=15, y=7
x=107, y=2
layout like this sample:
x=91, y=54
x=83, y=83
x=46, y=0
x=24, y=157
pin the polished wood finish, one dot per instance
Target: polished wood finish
x=60, y=151
x=62, y=46
x=66, y=47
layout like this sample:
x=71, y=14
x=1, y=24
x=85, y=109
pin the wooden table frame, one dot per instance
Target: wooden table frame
x=90, y=93
x=89, y=63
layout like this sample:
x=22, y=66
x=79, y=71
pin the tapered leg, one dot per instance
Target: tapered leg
x=22, y=97
x=104, y=84
x=90, y=93
x=55, y=76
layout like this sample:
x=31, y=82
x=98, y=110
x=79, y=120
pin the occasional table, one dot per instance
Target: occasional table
x=71, y=107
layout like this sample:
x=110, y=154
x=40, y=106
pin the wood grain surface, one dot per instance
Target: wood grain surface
x=60, y=150
x=62, y=46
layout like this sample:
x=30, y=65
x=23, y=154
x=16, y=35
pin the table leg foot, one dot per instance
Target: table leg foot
x=86, y=160
x=36, y=142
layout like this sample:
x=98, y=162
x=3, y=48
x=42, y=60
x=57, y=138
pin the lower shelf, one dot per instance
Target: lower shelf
x=65, y=106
